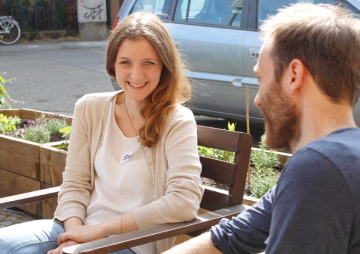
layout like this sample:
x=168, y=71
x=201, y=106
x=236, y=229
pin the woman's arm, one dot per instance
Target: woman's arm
x=75, y=190
x=114, y=226
x=177, y=174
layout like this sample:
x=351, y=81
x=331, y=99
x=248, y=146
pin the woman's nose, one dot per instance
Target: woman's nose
x=137, y=73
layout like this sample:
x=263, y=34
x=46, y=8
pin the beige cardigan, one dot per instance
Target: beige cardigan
x=174, y=163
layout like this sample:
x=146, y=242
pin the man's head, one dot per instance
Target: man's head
x=325, y=39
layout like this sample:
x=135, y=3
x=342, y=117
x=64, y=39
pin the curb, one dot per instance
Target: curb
x=24, y=47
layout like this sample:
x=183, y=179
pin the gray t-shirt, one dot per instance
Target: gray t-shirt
x=314, y=209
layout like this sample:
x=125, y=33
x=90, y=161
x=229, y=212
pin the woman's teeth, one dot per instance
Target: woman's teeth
x=137, y=84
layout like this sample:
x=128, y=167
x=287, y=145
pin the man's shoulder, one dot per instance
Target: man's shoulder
x=330, y=159
x=341, y=147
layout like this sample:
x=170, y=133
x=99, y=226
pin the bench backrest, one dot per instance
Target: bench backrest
x=232, y=173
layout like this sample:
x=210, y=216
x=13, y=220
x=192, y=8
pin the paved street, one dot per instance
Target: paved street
x=53, y=76
x=8, y=218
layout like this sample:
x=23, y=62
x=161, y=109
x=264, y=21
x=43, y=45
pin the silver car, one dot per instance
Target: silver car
x=219, y=41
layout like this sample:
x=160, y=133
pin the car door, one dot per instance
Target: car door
x=209, y=34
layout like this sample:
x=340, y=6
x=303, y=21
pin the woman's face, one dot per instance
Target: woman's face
x=137, y=68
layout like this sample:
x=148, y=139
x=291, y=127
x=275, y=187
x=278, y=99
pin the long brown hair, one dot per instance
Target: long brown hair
x=173, y=87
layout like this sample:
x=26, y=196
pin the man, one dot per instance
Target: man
x=309, y=81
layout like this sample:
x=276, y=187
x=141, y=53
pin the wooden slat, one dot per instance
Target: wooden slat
x=218, y=170
x=48, y=206
x=29, y=197
x=214, y=199
x=52, y=165
x=11, y=112
x=19, y=156
x=25, y=113
x=124, y=241
x=13, y=184
x=242, y=160
x=216, y=138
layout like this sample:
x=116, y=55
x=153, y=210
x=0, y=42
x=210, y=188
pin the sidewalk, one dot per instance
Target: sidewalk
x=8, y=218
x=24, y=47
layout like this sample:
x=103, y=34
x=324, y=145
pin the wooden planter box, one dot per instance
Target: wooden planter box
x=27, y=166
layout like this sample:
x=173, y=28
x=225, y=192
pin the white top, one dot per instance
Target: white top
x=123, y=181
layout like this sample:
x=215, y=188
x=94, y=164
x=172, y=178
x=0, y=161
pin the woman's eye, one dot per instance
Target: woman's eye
x=124, y=62
x=149, y=63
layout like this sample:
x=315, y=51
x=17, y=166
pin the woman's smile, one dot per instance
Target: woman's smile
x=137, y=85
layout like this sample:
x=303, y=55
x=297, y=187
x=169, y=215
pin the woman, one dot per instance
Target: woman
x=132, y=161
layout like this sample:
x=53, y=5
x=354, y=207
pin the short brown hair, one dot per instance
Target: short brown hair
x=326, y=38
x=173, y=87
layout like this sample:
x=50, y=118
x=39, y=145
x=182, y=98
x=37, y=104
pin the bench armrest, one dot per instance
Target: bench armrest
x=29, y=197
x=118, y=242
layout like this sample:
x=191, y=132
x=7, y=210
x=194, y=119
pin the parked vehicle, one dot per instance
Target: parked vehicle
x=9, y=30
x=219, y=40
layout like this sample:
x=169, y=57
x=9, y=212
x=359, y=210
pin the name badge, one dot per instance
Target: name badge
x=126, y=157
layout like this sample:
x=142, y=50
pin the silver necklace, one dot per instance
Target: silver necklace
x=129, y=115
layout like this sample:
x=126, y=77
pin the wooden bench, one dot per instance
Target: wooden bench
x=219, y=203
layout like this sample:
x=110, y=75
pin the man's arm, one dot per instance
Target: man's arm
x=245, y=233
x=197, y=245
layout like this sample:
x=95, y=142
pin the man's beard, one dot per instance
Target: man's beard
x=282, y=119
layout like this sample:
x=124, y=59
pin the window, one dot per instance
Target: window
x=268, y=8
x=224, y=12
x=159, y=7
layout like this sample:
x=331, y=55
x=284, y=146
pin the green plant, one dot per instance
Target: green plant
x=66, y=134
x=8, y=123
x=55, y=124
x=3, y=94
x=264, y=177
x=43, y=128
x=37, y=133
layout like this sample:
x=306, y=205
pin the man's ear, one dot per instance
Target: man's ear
x=295, y=75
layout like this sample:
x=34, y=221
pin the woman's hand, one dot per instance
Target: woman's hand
x=114, y=226
x=61, y=246
x=82, y=234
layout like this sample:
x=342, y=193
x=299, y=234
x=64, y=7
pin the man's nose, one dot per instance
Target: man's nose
x=256, y=101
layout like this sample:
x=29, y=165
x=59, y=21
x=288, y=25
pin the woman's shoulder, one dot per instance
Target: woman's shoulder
x=181, y=115
x=93, y=105
x=180, y=110
x=96, y=98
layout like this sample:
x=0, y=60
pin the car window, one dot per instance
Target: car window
x=354, y=7
x=215, y=12
x=268, y=8
x=159, y=7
